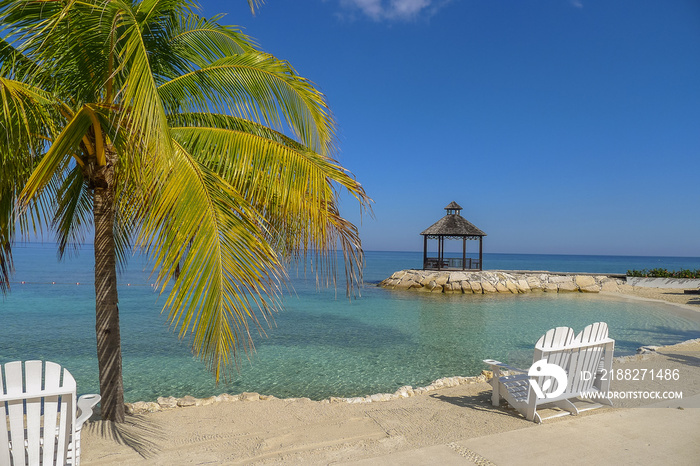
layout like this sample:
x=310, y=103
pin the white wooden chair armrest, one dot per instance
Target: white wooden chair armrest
x=85, y=405
x=494, y=363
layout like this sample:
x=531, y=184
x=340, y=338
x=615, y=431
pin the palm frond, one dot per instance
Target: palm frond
x=26, y=124
x=258, y=87
x=73, y=214
x=196, y=221
x=202, y=40
x=59, y=154
x=138, y=90
x=290, y=185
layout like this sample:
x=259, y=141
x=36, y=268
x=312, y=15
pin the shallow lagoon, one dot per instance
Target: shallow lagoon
x=323, y=344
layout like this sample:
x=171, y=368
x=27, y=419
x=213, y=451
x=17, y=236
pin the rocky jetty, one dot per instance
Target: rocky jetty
x=497, y=281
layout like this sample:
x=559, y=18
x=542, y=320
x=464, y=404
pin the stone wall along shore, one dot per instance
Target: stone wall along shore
x=170, y=402
x=497, y=281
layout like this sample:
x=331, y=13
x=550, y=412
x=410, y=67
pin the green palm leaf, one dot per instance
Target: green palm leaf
x=259, y=87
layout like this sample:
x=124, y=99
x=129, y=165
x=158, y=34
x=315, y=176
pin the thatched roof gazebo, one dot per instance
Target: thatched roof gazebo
x=452, y=226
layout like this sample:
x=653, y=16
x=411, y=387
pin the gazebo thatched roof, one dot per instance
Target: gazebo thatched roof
x=453, y=225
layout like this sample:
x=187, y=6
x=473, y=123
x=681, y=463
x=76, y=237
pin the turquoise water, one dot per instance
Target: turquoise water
x=323, y=344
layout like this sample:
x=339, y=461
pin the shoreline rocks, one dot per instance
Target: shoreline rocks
x=498, y=281
x=167, y=403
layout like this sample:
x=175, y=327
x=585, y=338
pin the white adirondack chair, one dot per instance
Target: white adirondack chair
x=39, y=415
x=582, y=360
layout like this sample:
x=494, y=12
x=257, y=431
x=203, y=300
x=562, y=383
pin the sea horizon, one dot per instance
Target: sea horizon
x=585, y=263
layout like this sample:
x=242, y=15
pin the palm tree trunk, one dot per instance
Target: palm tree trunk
x=109, y=354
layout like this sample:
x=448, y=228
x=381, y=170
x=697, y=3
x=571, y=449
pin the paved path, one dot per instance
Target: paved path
x=659, y=434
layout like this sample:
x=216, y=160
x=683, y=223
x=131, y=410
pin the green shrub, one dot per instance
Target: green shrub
x=664, y=273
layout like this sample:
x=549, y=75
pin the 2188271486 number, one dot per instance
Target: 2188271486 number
x=640, y=374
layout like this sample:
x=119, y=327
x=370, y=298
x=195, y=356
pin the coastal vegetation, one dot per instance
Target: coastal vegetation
x=160, y=131
x=664, y=273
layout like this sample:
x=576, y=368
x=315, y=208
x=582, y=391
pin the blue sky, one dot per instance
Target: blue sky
x=562, y=127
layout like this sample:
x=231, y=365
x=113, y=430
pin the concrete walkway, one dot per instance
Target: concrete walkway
x=659, y=434
x=676, y=283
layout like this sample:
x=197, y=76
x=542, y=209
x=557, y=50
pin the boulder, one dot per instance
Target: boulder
x=135, y=408
x=550, y=287
x=442, y=279
x=404, y=284
x=167, y=402
x=187, y=401
x=534, y=283
x=584, y=281
x=609, y=286
x=249, y=396
x=428, y=278
x=207, y=401
x=523, y=286
x=487, y=287
x=567, y=286
x=559, y=278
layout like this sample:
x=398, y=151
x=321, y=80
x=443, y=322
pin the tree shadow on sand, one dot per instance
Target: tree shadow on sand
x=480, y=402
x=687, y=359
x=136, y=432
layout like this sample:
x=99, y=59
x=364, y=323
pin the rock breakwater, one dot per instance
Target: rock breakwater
x=497, y=281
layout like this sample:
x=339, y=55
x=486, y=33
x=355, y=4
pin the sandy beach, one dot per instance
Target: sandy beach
x=455, y=425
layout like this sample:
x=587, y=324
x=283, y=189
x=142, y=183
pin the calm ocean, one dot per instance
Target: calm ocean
x=323, y=344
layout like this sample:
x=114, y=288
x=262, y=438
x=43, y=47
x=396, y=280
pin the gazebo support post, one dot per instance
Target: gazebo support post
x=464, y=253
x=481, y=253
x=425, y=251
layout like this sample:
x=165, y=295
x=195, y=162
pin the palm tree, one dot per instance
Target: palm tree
x=174, y=135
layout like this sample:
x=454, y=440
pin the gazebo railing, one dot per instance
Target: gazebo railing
x=434, y=263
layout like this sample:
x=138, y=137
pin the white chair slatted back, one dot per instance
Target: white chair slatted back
x=15, y=411
x=598, y=357
x=561, y=347
x=33, y=371
x=583, y=367
x=597, y=331
x=550, y=347
x=33, y=443
x=4, y=433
